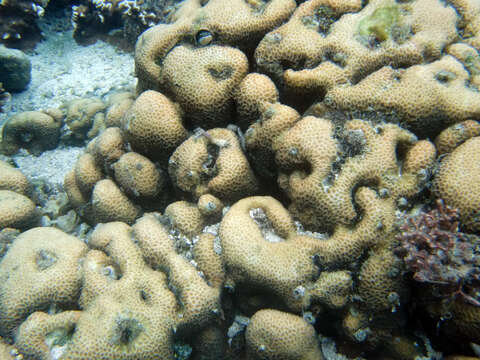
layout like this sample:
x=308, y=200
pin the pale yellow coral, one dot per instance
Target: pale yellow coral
x=238, y=23
x=326, y=43
x=260, y=249
x=129, y=310
x=321, y=195
x=108, y=147
x=16, y=210
x=13, y=179
x=138, y=176
x=118, y=104
x=458, y=182
x=84, y=118
x=455, y=135
x=35, y=131
x=110, y=204
x=272, y=334
x=154, y=126
x=427, y=98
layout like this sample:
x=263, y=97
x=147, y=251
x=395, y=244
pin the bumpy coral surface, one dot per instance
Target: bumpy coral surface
x=154, y=126
x=41, y=270
x=129, y=310
x=212, y=162
x=248, y=199
x=17, y=210
x=284, y=336
x=321, y=192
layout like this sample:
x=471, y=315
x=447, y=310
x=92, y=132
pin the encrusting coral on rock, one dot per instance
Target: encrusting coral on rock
x=265, y=193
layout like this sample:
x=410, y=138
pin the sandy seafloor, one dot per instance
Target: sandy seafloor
x=62, y=71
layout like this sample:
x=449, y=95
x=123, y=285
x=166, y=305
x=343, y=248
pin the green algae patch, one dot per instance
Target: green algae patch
x=380, y=24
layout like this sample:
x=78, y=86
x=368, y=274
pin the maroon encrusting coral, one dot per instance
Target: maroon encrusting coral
x=438, y=254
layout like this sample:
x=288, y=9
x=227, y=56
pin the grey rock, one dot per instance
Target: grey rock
x=15, y=69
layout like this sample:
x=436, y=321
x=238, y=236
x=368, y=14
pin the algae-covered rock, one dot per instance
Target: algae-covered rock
x=15, y=69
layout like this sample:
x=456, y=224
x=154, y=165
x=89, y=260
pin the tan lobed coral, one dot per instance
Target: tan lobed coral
x=16, y=210
x=84, y=118
x=263, y=250
x=384, y=61
x=190, y=218
x=272, y=334
x=212, y=162
x=154, y=126
x=326, y=43
x=469, y=25
x=8, y=352
x=40, y=271
x=203, y=23
x=35, y=131
x=118, y=104
x=258, y=107
x=455, y=135
x=13, y=179
x=457, y=182
x=109, y=184
x=138, y=176
x=427, y=97
x=197, y=69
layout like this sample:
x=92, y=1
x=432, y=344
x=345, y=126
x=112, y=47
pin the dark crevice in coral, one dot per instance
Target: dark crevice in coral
x=401, y=149
x=350, y=143
x=370, y=183
x=209, y=167
x=126, y=330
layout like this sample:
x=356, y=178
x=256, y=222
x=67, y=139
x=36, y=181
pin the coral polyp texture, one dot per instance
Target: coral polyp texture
x=456, y=182
x=290, y=180
x=319, y=169
x=212, y=162
x=17, y=210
